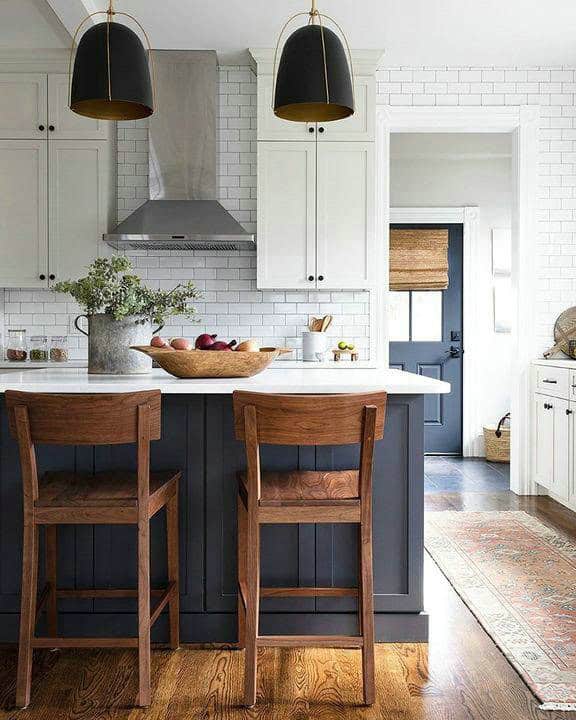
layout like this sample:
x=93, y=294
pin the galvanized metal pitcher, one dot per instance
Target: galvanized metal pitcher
x=109, y=342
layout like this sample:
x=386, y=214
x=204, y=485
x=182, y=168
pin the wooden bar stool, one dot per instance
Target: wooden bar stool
x=337, y=496
x=115, y=497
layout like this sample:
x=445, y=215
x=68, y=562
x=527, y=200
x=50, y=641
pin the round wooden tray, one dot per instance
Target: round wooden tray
x=211, y=363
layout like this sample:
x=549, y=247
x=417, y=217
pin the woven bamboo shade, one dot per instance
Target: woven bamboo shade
x=418, y=259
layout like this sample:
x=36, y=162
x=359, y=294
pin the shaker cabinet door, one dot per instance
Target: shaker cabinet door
x=23, y=213
x=67, y=124
x=23, y=106
x=345, y=215
x=286, y=242
x=271, y=127
x=79, y=204
x=544, y=440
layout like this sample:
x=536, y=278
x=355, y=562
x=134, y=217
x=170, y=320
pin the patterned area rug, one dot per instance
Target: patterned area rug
x=518, y=577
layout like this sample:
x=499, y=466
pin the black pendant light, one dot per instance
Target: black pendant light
x=314, y=79
x=112, y=71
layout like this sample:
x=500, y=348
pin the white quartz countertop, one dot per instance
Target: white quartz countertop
x=562, y=362
x=275, y=379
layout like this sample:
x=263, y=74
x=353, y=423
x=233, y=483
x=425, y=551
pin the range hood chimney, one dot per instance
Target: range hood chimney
x=182, y=213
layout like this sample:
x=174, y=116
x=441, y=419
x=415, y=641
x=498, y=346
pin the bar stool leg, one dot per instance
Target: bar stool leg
x=241, y=572
x=173, y=569
x=51, y=532
x=27, y=613
x=366, y=606
x=252, y=607
x=143, y=612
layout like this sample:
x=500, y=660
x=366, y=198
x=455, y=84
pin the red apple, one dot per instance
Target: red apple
x=221, y=345
x=204, y=341
x=158, y=342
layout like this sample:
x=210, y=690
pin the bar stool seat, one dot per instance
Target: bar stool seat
x=69, y=490
x=306, y=486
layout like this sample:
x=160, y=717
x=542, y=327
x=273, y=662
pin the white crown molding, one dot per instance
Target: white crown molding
x=34, y=60
x=364, y=62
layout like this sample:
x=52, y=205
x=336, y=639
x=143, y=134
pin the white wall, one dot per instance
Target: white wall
x=30, y=24
x=443, y=170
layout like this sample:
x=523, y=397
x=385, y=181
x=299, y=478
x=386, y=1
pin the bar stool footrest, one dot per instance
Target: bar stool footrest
x=314, y=641
x=308, y=592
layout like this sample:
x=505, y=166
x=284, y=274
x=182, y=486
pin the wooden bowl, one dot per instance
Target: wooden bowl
x=211, y=363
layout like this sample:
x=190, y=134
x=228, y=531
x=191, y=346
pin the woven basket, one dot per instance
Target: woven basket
x=497, y=441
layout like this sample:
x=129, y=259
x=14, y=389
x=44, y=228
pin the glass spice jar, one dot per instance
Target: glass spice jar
x=58, y=348
x=16, y=348
x=39, y=348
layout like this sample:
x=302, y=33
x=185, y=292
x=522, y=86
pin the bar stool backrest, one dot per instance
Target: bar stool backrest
x=92, y=419
x=309, y=419
x=97, y=419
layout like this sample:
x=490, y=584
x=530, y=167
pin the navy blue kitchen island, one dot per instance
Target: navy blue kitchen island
x=198, y=438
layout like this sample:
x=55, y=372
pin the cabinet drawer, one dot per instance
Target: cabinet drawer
x=553, y=381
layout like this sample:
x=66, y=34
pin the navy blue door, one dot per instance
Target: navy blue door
x=426, y=338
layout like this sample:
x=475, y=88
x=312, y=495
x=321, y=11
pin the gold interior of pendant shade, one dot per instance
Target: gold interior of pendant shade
x=111, y=109
x=418, y=259
x=313, y=112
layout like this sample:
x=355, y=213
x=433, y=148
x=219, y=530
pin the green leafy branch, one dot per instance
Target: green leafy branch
x=111, y=287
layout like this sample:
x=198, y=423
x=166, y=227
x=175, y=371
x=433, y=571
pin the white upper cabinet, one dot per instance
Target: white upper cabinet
x=57, y=189
x=23, y=213
x=23, y=106
x=359, y=126
x=271, y=127
x=345, y=209
x=286, y=215
x=63, y=124
x=79, y=203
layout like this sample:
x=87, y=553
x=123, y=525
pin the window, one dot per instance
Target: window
x=415, y=315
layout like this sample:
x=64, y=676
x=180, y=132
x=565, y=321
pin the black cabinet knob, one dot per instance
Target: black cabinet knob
x=310, y=277
x=51, y=128
x=41, y=128
x=42, y=277
x=310, y=129
x=52, y=276
x=320, y=129
x=568, y=412
x=320, y=277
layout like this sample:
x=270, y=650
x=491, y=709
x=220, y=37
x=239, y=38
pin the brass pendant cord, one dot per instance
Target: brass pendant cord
x=110, y=12
x=314, y=14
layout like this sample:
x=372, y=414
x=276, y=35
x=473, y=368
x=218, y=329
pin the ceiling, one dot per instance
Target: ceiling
x=412, y=32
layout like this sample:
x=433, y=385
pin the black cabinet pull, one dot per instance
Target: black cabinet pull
x=52, y=276
x=310, y=277
x=320, y=129
x=51, y=128
x=310, y=129
x=41, y=128
x=568, y=412
x=550, y=382
x=42, y=277
x=548, y=406
x=320, y=277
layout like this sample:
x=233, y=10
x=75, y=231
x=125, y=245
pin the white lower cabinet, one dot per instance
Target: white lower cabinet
x=553, y=427
x=554, y=432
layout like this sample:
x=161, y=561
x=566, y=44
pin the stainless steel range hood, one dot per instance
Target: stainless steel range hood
x=182, y=213
x=180, y=225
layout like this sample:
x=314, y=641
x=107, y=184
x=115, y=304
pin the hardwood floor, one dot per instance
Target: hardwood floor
x=460, y=675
